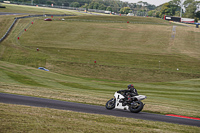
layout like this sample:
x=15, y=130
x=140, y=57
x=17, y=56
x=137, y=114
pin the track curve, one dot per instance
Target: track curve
x=78, y=107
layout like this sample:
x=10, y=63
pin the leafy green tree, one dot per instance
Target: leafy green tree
x=96, y=5
x=102, y=7
x=177, y=13
x=115, y=6
x=188, y=2
x=165, y=10
x=176, y=2
x=151, y=7
x=85, y=6
x=75, y=4
x=196, y=19
x=91, y=5
x=168, y=9
x=51, y=2
x=124, y=4
x=109, y=9
x=197, y=14
x=191, y=7
x=151, y=13
x=125, y=10
x=48, y=2
x=157, y=14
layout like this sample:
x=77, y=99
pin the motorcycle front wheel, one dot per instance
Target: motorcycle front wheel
x=136, y=107
x=111, y=104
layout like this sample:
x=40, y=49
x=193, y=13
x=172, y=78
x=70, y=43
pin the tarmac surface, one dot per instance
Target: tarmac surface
x=8, y=13
x=78, y=107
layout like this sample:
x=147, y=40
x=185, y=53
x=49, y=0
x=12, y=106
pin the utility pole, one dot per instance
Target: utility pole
x=31, y=2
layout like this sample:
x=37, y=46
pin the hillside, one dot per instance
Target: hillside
x=133, y=52
x=141, y=52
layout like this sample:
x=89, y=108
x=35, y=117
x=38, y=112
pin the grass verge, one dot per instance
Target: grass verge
x=33, y=119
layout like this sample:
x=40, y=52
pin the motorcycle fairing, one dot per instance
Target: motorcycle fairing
x=118, y=105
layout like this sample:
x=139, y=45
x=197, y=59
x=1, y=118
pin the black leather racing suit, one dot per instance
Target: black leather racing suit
x=128, y=93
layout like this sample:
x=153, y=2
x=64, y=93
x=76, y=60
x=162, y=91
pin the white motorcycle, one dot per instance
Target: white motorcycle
x=134, y=103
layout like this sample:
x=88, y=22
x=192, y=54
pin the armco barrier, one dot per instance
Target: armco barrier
x=8, y=30
x=6, y=34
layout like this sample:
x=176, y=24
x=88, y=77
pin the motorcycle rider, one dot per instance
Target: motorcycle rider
x=130, y=92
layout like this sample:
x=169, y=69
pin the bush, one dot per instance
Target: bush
x=196, y=19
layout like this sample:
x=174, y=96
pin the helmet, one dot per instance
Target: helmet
x=130, y=86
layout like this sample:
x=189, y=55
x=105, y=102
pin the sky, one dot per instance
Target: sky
x=154, y=2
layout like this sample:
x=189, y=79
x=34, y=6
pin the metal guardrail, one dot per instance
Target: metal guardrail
x=8, y=31
x=10, y=28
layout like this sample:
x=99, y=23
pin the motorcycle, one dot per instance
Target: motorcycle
x=119, y=101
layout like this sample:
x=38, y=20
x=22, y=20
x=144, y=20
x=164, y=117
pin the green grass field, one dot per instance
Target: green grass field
x=17, y=118
x=166, y=70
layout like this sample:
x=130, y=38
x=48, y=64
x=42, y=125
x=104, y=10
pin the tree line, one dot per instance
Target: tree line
x=109, y=5
x=190, y=8
x=179, y=8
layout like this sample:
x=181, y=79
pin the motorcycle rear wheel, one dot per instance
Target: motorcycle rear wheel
x=137, y=108
x=111, y=104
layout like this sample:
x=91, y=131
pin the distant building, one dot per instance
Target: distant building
x=187, y=20
x=171, y=18
x=7, y=2
x=107, y=12
x=178, y=19
x=130, y=14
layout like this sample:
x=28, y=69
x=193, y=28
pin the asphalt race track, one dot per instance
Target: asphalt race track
x=78, y=107
x=8, y=13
